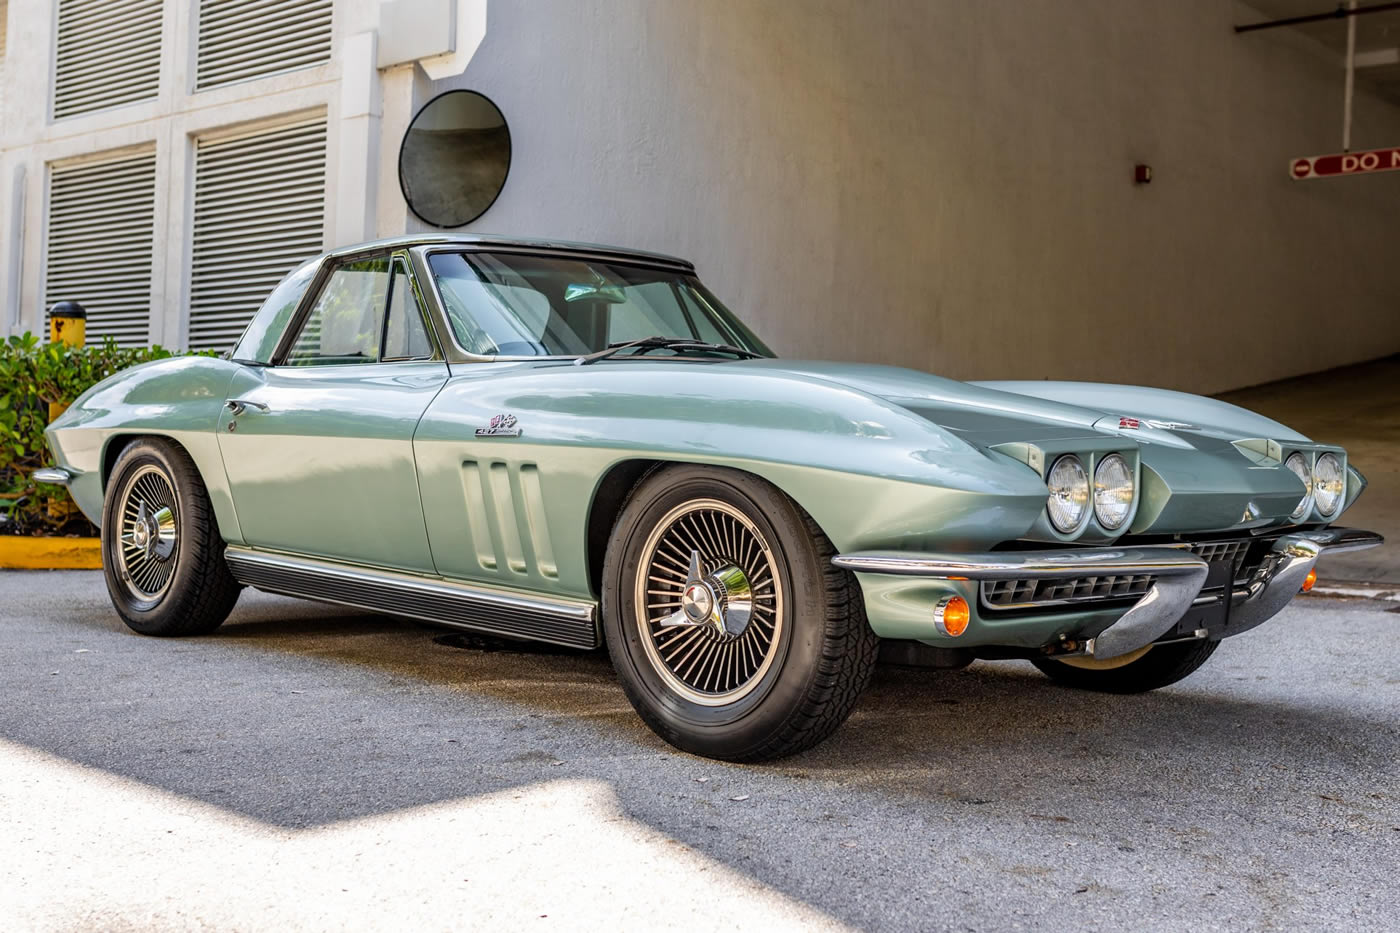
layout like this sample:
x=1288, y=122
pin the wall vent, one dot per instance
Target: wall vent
x=259, y=211
x=244, y=39
x=108, y=54
x=101, y=237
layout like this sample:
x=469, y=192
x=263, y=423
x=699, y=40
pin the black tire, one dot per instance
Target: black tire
x=196, y=592
x=820, y=651
x=1160, y=666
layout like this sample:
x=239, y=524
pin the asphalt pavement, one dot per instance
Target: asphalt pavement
x=311, y=768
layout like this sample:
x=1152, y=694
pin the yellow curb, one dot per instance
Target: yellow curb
x=19, y=552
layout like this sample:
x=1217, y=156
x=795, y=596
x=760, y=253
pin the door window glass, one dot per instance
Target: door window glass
x=344, y=325
x=405, y=335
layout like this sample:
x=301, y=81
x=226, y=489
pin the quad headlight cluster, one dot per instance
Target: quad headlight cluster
x=1111, y=492
x=1324, y=484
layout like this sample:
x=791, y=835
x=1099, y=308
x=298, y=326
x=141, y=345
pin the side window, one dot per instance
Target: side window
x=405, y=335
x=345, y=323
x=259, y=342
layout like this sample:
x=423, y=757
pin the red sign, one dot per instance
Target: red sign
x=1346, y=163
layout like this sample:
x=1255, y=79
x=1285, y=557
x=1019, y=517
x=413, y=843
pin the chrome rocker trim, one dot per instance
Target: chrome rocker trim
x=1179, y=577
x=56, y=475
x=457, y=605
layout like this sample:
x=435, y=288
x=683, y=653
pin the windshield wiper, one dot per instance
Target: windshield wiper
x=666, y=343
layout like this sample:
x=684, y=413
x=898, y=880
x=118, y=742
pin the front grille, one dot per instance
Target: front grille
x=1008, y=594
x=1212, y=551
x=1242, y=555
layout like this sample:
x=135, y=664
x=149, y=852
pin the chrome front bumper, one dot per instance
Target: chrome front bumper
x=1178, y=578
x=56, y=475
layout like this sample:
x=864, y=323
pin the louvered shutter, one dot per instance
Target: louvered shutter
x=243, y=39
x=259, y=208
x=108, y=54
x=101, y=237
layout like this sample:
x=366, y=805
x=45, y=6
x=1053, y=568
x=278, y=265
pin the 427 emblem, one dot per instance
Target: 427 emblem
x=502, y=425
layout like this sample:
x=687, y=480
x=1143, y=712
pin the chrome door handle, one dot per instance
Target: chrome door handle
x=239, y=405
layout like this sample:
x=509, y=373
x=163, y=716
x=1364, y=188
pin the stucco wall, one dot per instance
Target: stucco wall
x=947, y=185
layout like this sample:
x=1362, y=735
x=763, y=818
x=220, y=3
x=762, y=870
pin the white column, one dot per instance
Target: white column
x=14, y=258
x=406, y=88
x=357, y=174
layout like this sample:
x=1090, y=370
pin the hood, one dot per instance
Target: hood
x=997, y=412
x=1208, y=465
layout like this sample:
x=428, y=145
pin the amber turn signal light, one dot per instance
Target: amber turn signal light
x=951, y=616
x=1309, y=580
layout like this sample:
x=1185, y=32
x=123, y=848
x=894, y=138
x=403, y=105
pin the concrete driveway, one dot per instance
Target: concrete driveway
x=308, y=768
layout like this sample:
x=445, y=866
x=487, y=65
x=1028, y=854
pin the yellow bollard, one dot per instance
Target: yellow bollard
x=68, y=326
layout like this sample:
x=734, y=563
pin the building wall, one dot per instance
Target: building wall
x=943, y=185
x=948, y=185
x=33, y=143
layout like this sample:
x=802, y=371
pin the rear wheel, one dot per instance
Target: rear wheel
x=733, y=635
x=1136, y=672
x=162, y=555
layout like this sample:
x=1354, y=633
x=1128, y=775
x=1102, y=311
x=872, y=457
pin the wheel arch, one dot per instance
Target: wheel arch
x=608, y=498
x=616, y=485
x=207, y=463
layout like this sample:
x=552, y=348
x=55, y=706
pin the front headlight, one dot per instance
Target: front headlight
x=1069, y=493
x=1299, y=465
x=1113, y=491
x=1328, y=483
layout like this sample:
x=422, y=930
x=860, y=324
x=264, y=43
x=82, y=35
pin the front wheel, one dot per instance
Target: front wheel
x=1136, y=672
x=162, y=554
x=733, y=635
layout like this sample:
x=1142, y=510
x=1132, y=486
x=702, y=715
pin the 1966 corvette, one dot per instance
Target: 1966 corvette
x=581, y=445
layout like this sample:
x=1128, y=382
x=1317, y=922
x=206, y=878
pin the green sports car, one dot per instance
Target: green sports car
x=580, y=445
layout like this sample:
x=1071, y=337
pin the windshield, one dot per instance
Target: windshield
x=503, y=304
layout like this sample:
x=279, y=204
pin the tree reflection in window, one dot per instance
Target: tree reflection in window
x=343, y=326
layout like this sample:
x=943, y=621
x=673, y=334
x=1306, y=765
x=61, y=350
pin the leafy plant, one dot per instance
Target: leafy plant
x=34, y=375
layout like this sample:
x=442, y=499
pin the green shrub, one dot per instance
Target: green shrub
x=33, y=375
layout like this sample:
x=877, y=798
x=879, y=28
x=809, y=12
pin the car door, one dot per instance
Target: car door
x=318, y=446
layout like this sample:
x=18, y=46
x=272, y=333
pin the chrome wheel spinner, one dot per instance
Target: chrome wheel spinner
x=721, y=600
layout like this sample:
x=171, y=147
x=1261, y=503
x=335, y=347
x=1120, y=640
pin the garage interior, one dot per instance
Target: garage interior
x=937, y=186
x=1358, y=405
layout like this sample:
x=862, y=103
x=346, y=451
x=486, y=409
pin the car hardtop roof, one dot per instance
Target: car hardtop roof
x=482, y=239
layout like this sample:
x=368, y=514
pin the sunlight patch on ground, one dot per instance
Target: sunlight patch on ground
x=82, y=848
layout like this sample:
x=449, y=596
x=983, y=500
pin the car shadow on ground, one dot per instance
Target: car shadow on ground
x=300, y=715
x=976, y=734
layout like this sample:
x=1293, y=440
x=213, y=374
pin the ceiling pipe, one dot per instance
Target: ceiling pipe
x=1341, y=12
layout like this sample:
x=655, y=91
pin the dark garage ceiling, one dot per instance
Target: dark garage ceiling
x=1377, y=37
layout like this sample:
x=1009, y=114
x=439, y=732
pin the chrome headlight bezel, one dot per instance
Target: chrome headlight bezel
x=1069, y=497
x=1113, y=497
x=1298, y=465
x=1328, y=492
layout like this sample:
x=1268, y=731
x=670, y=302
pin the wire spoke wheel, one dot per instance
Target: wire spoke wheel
x=148, y=542
x=710, y=602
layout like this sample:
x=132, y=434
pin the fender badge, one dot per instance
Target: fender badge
x=502, y=425
x=1171, y=425
x=1131, y=423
